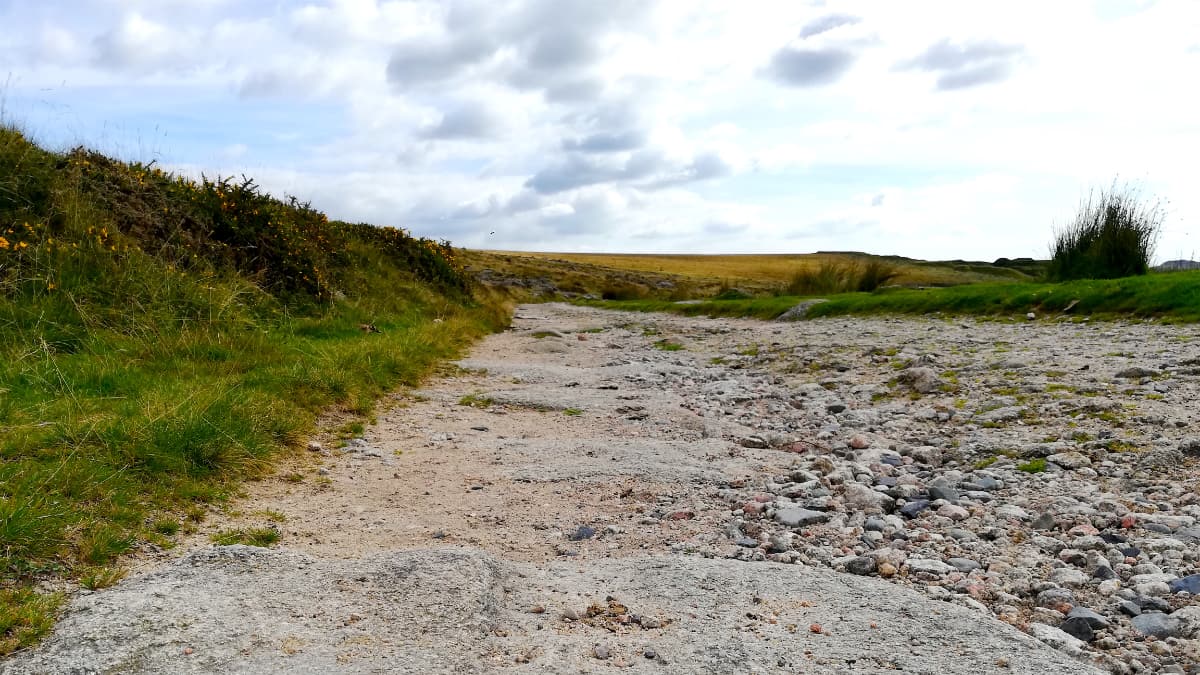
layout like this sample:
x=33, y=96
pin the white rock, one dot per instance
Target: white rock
x=1157, y=589
x=1057, y=638
x=1190, y=621
x=1069, y=576
x=1011, y=511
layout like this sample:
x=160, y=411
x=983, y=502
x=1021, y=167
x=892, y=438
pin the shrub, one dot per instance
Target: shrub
x=1112, y=236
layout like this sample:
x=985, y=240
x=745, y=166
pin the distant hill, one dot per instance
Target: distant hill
x=1174, y=265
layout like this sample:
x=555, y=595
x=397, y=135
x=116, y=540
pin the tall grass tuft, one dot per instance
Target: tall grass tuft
x=841, y=276
x=1112, y=236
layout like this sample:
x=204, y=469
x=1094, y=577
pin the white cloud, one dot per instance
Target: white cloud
x=934, y=128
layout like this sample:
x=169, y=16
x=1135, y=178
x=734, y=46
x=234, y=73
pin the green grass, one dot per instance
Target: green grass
x=1037, y=465
x=475, y=401
x=162, y=340
x=1173, y=296
x=25, y=616
x=668, y=346
x=259, y=536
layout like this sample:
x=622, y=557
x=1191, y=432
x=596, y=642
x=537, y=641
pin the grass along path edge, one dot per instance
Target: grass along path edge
x=1171, y=296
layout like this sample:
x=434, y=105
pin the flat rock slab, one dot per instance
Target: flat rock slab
x=241, y=609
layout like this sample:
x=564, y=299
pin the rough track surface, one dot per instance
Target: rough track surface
x=240, y=609
x=580, y=495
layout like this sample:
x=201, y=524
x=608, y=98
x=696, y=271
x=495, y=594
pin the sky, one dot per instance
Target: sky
x=930, y=129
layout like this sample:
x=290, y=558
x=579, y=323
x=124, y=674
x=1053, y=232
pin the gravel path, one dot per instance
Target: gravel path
x=596, y=489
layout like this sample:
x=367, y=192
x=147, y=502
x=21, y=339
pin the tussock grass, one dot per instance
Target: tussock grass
x=1112, y=236
x=842, y=276
x=259, y=536
x=162, y=339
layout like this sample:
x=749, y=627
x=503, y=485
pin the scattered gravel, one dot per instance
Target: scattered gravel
x=1007, y=485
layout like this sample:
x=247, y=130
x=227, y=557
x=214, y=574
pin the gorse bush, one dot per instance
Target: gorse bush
x=1112, y=236
x=841, y=276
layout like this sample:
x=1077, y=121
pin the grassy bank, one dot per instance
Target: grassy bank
x=1173, y=296
x=161, y=339
x=633, y=276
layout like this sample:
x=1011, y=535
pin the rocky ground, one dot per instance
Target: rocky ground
x=605, y=489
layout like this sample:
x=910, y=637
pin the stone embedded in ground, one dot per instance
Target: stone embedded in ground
x=1070, y=460
x=1057, y=638
x=798, y=517
x=1190, y=584
x=914, y=508
x=921, y=380
x=1078, y=627
x=964, y=565
x=943, y=492
x=1095, y=620
x=582, y=532
x=861, y=565
x=1157, y=624
x=800, y=310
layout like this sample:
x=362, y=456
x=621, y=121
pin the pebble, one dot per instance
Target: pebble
x=799, y=517
x=1023, y=468
x=1157, y=624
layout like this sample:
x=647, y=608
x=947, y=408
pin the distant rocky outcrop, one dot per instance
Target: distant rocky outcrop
x=1176, y=265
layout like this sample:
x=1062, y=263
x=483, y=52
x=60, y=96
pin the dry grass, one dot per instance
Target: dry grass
x=706, y=274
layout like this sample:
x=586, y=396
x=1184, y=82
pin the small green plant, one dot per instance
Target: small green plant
x=351, y=429
x=273, y=516
x=751, y=350
x=101, y=577
x=260, y=536
x=985, y=462
x=1036, y=465
x=477, y=400
x=668, y=345
x=166, y=526
x=1117, y=445
x=545, y=334
x=572, y=412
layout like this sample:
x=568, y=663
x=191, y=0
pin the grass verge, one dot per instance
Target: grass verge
x=1172, y=296
x=163, y=339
